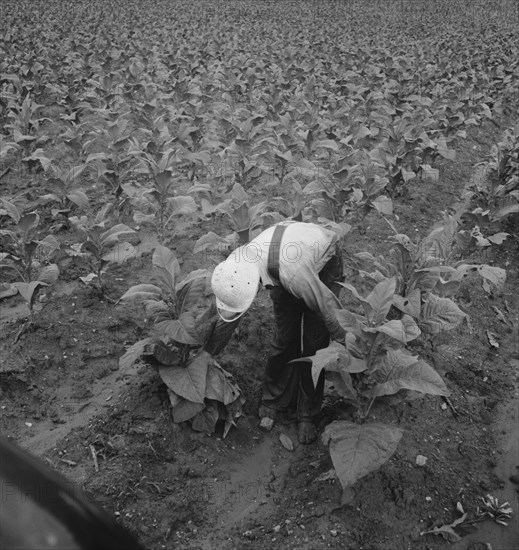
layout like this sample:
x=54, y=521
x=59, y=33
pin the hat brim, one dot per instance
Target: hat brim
x=229, y=314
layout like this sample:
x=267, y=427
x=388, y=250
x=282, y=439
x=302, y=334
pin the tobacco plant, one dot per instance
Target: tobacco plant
x=372, y=362
x=246, y=221
x=199, y=389
x=159, y=205
x=102, y=244
x=112, y=163
x=24, y=123
x=495, y=185
x=349, y=191
x=411, y=300
x=65, y=193
x=434, y=266
x=27, y=256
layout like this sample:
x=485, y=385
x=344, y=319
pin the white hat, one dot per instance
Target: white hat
x=235, y=284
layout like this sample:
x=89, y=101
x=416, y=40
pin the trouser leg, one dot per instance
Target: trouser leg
x=290, y=385
x=316, y=337
x=281, y=385
x=310, y=396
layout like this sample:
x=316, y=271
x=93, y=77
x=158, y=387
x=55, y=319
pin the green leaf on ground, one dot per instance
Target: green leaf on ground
x=358, y=449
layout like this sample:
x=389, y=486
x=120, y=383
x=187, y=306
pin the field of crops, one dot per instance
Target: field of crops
x=141, y=142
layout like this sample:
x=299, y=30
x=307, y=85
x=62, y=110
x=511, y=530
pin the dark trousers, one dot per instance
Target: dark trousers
x=299, y=332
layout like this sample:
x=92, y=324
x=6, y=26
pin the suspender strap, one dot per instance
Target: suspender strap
x=275, y=251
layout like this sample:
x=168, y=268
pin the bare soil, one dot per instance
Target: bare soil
x=62, y=391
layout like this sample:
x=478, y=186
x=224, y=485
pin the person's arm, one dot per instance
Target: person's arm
x=220, y=332
x=318, y=297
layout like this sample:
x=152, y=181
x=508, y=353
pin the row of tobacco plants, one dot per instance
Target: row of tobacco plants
x=176, y=123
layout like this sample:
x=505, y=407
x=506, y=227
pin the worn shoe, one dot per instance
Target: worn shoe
x=306, y=431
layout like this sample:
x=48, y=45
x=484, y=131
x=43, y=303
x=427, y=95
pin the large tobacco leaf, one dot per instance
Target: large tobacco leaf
x=439, y=315
x=188, y=382
x=380, y=299
x=398, y=370
x=166, y=267
x=359, y=449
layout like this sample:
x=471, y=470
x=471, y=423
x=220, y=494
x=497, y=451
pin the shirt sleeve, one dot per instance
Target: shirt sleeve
x=318, y=297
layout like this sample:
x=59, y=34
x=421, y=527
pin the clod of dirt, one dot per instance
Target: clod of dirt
x=267, y=424
x=421, y=460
